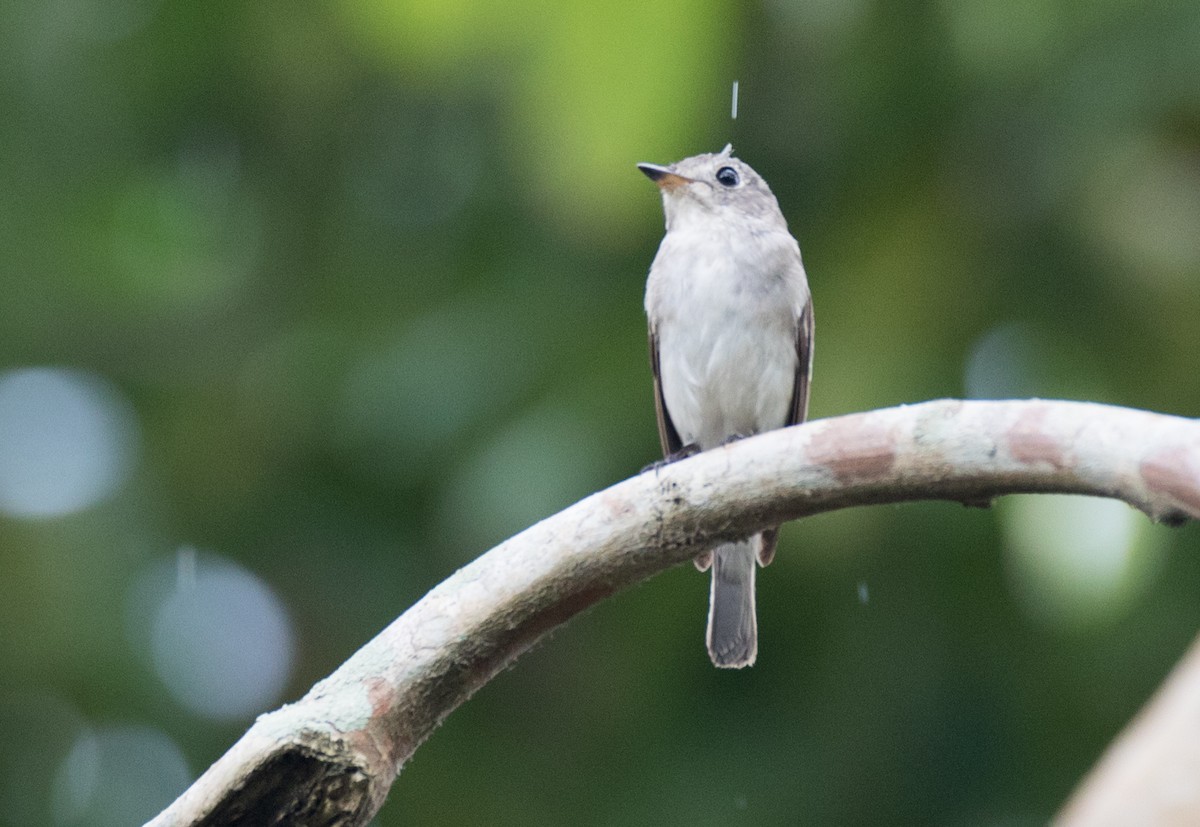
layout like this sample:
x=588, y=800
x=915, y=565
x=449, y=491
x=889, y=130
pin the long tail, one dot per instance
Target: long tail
x=732, y=627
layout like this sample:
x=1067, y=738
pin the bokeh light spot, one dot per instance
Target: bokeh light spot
x=1002, y=364
x=118, y=776
x=40, y=730
x=532, y=468
x=67, y=440
x=1075, y=561
x=217, y=636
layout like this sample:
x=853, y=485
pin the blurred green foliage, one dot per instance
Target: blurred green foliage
x=370, y=275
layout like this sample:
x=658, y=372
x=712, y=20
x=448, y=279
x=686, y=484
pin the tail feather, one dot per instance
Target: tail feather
x=732, y=627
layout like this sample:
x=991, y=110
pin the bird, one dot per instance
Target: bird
x=731, y=342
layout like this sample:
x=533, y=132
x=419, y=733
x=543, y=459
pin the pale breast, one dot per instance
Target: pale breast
x=726, y=327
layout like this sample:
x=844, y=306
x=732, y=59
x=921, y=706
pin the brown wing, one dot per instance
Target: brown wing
x=804, y=352
x=804, y=349
x=667, y=434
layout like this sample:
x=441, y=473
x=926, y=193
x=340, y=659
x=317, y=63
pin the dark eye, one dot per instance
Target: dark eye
x=728, y=176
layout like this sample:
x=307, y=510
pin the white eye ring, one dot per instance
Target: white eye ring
x=728, y=176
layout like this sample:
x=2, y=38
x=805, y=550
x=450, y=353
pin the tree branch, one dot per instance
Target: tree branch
x=331, y=757
x=1151, y=773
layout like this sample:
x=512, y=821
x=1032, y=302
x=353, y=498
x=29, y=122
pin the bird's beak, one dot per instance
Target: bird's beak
x=663, y=176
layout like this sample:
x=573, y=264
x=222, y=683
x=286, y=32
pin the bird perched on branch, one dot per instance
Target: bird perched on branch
x=731, y=340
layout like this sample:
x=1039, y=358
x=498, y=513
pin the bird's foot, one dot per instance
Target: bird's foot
x=683, y=453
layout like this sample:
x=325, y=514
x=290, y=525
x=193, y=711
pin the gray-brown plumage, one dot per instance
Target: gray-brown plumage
x=731, y=332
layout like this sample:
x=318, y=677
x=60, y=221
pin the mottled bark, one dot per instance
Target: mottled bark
x=331, y=757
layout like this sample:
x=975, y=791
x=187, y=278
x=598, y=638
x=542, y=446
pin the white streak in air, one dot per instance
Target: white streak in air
x=864, y=596
x=735, y=96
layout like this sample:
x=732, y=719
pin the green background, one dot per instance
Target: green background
x=366, y=277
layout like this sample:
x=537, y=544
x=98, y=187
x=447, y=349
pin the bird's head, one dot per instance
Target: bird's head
x=713, y=186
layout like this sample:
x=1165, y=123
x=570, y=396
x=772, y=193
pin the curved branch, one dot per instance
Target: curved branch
x=1148, y=775
x=332, y=756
